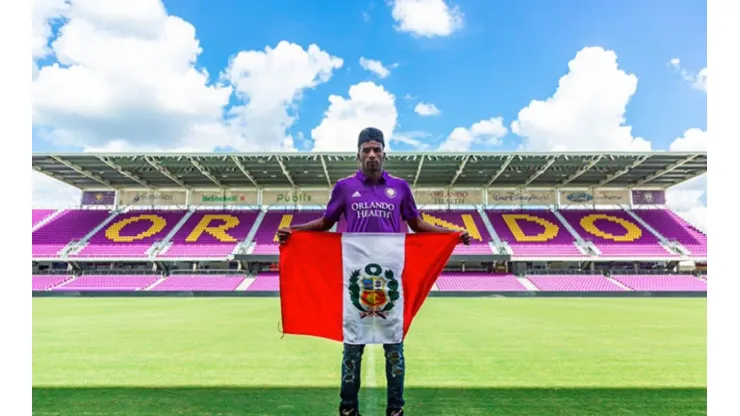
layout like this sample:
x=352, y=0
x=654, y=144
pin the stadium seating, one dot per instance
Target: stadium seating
x=535, y=233
x=662, y=283
x=673, y=227
x=574, y=283
x=462, y=220
x=478, y=282
x=199, y=282
x=38, y=215
x=265, y=238
x=211, y=234
x=615, y=233
x=108, y=283
x=70, y=225
x=131, y=234
x=46, y=282
x=529, y=233
x=265, y=282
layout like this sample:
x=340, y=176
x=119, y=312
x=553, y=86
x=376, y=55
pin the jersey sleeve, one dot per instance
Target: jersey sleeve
x=335, y=207
x=408, y=204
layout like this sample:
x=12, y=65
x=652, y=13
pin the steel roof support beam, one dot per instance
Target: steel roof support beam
x=164, y=171
x=326, y=171
x=418, y=169
x=581, y=171
x=628, y=169
x=285, y=170
x=83, y=172
x=125, y=173
x=540, y=171
x=50, y=174
x=460, y=169
x=658, y=174
x=244, y=170
x=205, y=172
x=687, y=178
x=500, y=170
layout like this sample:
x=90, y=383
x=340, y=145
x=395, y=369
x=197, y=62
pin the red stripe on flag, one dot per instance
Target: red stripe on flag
x=311, y=284
x=426, y=257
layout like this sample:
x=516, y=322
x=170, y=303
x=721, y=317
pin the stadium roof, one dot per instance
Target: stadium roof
x=421, y=169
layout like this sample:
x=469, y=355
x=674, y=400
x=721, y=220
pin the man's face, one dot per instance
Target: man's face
x=371, y=156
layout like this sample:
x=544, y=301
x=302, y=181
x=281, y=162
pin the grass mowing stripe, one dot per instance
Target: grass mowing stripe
x=208, y=357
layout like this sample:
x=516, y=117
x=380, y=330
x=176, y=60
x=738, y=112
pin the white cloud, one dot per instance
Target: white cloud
x=47, y=192
x=414, y=139
x=686, y=199
x=693, y=140
x=426, y=109
x=587, y=111
x=427, y=18
x=125, y=72
x=272, y=82
x=485, y=132
x=43, y=12
x=127, y=77
x=376, y=67
x=368, y=105
x=697, y=81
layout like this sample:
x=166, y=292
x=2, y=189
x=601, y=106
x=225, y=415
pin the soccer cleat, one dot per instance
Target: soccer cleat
x=394, y=412
x=349, y=412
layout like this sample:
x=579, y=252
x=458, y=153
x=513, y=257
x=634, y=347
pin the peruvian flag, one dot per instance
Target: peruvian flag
x=358, y=288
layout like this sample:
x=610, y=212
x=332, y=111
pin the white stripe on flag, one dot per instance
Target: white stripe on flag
x=360, y=252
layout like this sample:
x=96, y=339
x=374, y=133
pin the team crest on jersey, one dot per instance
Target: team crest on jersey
x=390, y=192
x=375, y=293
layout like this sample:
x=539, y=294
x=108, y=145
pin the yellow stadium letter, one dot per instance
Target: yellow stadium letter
x=589, y=224
x=218, y=232
x=467, y=219
x=114, y=231
x=285, y=221
x=512, y=221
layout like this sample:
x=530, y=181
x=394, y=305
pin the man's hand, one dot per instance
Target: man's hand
x=465, y=238
x=283, y=234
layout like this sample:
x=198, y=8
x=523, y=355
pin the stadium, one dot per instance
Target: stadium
x=590, y=227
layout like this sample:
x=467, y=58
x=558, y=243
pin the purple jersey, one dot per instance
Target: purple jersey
x=372, y=208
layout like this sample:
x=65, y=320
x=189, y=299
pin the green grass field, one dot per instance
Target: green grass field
x=477, y=356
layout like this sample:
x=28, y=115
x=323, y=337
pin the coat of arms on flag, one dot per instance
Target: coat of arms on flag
x=376, y=293
x=367, y=288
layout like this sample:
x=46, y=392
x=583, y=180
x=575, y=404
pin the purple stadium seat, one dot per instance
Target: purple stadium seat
x=211, y=234
x=70, y=225
x=265, y=282
x=131, y=234
x=46, y=282
x=199, y=282
x=573, y=283
x=38, y=215
x=478, y=282
x=108, y=283
x=462, y=220
x=265, y=238
x=662, y=283
x=535, y=233
x=673, y=227
x=615, y=233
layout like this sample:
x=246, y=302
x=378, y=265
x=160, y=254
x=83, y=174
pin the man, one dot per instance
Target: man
x=372, y=201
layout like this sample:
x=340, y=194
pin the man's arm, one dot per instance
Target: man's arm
x=331, y=216
x=413, y=218
x=418, y=225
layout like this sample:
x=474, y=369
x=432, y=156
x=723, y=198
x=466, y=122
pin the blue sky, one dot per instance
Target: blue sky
x=286, y=75
x=505, y=55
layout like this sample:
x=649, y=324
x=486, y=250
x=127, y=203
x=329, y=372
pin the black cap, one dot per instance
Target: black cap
x=370, y=134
